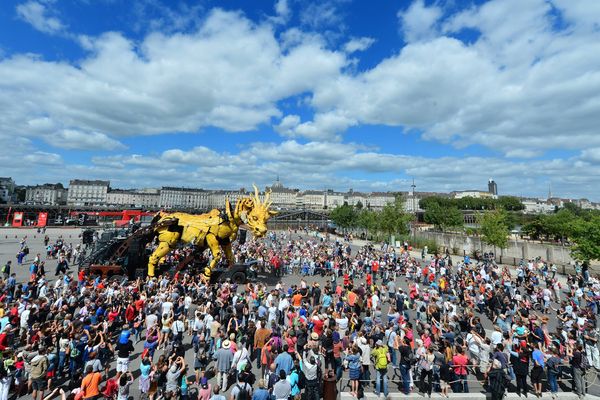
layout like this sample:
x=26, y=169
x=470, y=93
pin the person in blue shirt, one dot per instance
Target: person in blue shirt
x=261, y=393
x=294, y=379
x=537, y=371
x=326, y=300
x=284, y=361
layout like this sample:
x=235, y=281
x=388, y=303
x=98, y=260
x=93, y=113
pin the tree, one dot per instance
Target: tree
x=494, y=229
x=559, y=225
x=511, y=203
x=392, y=219
x=535, y=229
x=586, y=236
x=367, y=220
x=358, y=205
x=344, y=216
x=443, y=218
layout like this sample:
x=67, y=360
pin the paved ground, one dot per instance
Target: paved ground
x=9, y=246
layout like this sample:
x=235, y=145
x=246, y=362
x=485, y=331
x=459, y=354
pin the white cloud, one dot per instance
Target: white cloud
x=323, y=14
x=37, y=15
x=331, y=165
x=43, y=158
x=418, y=22
x=76, y=140
x=358, y=44
x=229, y=74
x=282, y=12
x=520, y=84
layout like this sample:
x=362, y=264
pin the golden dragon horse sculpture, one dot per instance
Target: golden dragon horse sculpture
x=216, y=229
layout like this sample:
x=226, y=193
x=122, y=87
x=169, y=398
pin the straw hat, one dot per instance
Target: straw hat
x=226, y=344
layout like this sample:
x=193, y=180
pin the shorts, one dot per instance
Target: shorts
x=536, y=374
x=122, y=365
x=444, y=385
x=38, y=384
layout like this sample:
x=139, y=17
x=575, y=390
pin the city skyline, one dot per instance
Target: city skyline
x=332, y=94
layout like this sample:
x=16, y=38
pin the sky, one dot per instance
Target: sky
x=330, y=94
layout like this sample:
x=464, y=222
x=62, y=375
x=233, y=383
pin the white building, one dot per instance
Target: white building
x=173, y=197
x=354, y=198
x=478, y=194
x=537, y=206
x=145, y=198
x=334, y=199
x=48, y=194
x=377, y=200
x=87, y=193
x=282, y=197
x=312, y=200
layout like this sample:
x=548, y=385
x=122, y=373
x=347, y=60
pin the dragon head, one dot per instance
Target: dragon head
x=255, y=213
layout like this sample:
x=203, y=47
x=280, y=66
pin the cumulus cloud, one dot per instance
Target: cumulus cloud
x=229, y=74
x=328, y=164
x=358, y=44
x=72, y=139
x=282, y=12
x=40, y=17
x=519, y=84
x=418, y=22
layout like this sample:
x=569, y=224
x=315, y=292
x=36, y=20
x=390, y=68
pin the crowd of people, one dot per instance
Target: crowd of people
x=353, y=319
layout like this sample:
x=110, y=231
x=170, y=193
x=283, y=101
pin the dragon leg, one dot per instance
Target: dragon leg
x=167, y=242
x=215, y=249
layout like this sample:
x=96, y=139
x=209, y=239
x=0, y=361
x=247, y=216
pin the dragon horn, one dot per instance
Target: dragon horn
x=257, y=199
x=267, y=196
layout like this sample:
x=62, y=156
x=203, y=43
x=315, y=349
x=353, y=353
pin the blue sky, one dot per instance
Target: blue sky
x=331, y=94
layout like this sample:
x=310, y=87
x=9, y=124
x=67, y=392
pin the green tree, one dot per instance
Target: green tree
x=560, y=225
x=511, y=203
x=358, y=205
x=444, y=217
x=536, y=229
x=344, y=216
x=586, y=236
x=392, y=219
x=494, y=228
x=367, y=220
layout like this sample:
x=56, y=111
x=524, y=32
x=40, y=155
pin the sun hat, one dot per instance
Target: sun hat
x=314, y=336
x=226, y=344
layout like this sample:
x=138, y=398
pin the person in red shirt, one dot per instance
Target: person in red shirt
x=460, y=362
x=317, y=325
x=130, y=313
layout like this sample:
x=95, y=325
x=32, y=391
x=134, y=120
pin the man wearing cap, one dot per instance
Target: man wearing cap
x=223, y=358
x=382, y=358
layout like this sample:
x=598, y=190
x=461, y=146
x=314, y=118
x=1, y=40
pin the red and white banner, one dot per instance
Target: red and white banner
x=42, y=219
x=17, y=219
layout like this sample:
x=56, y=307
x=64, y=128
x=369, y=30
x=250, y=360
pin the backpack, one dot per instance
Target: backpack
x=301, y=379
x=499, y=384
x=243, y=393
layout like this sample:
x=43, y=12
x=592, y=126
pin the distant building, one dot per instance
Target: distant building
x=492, y=187
x=174, y=197
x=87, y=193
x=377, y=200
x=537, y=206
x=7, y=189
x=145, y=198
x=478, y=194
x=334, y=199
x=48, y=194
x=282, y=197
